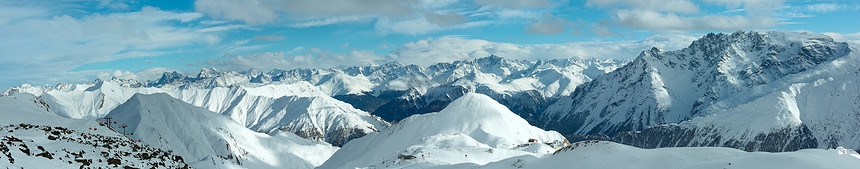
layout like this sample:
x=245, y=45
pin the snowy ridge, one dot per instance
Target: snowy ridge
x=747, y=90
x=297, y=107
x=209, y=140
x=550, y=77
x=472, y=129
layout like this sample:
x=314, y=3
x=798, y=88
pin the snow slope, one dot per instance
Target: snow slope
x=297, y=107
x=35, y=137
x=209, y=140
x=613, y=155
x=472, y=129
x=773, y=91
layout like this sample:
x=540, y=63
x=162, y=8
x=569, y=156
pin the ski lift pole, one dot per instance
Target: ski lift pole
x=108, y=121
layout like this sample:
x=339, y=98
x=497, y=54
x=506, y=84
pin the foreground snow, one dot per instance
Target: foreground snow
x=604, y=154
x=33, y=137
x=473, y=129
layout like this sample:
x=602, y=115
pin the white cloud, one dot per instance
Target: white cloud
x=221, y=28
x=411, y=17
x=683, y=15
x=446, y=19
x=602, y=28
x=331, y=20
x=322, y=8
x=448, y=49
x=550, y=25
x=453, y=48
x=824, y=7
x=514, y=4
x=267, y=11
x=851, y=37
x=750, y=4
x=249, y=11
x=270, y=38
x=306, y=58
x=516, y=14
x=9, y=14
x=652, y=20
x=680, y=6
x=44, y=49
x=419, y=26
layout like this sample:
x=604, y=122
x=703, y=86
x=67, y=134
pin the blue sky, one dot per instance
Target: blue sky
x=52, y=41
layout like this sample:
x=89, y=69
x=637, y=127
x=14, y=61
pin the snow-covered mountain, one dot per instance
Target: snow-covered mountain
x=35, y=137
x=526, y=87
x=209, y=140
x=756, y=91
x=549, y=77
x=297, y=107
x=394, y=91
x=474, y=129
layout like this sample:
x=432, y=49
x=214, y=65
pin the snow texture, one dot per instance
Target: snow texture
x=472, y=129
x=209, y=140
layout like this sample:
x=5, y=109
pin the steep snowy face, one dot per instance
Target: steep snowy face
x=90, y=101
x=297, y=108
x=749, y=79
x=662, y=87
x=35, y=137
x=472, y=129
x=208, y=140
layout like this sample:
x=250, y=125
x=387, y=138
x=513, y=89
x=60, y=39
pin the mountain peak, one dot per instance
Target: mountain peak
x=207, y=72
x=663, y=87
x=198, y=135
x=491, y=59
x=470, y=125
x=475, y=113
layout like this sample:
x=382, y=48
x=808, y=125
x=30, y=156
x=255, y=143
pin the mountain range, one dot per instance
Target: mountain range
x=752, y=91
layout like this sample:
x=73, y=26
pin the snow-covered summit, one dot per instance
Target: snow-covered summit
x=472, y=129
